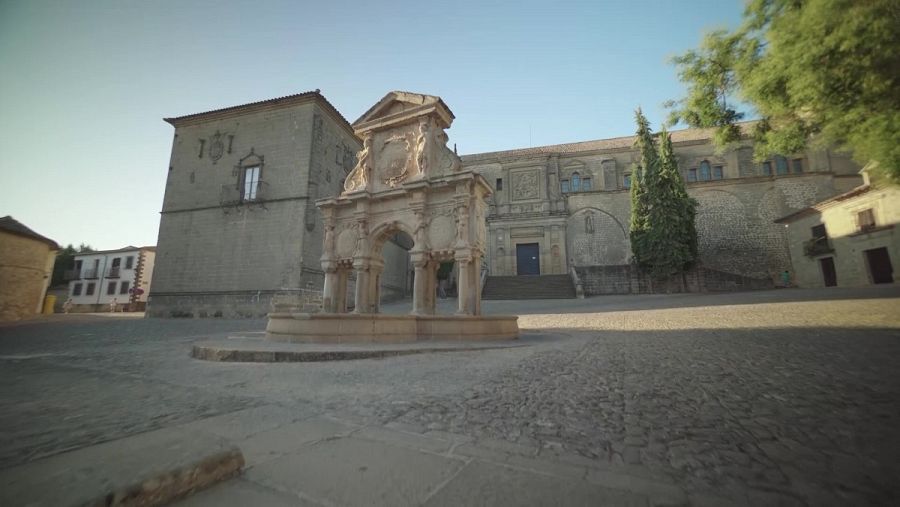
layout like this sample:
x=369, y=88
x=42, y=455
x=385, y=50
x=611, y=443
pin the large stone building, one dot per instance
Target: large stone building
x=26, y=265
x=568, y=206
x=239, y=223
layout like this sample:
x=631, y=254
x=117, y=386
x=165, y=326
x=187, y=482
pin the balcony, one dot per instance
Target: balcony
x=113, y=272
x=817, y=246
x=90, y=274
x=231, y=195
x=72, y=274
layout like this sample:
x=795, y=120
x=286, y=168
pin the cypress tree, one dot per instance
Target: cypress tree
x=663, y=233
x=642, y=174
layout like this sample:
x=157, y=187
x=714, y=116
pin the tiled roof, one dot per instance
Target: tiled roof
x=678, y=136
x=11, y=225
x=128, y=248
x=262, y=104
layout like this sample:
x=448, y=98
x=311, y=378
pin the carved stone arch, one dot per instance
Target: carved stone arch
x=383, y=232
x=604, y=243
x=610, y=215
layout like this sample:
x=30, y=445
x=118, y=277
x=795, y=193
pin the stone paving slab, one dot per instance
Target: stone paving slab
x=354, y=471
x=147, y=469
x=255, y=349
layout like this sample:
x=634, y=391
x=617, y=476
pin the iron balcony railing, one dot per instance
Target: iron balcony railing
x=72, y=274
x=113, y=272
x=817, y=246
x=232, y=195
x=89, y=274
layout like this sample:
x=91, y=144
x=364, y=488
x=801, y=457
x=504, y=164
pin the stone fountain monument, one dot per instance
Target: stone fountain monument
x=405, y=180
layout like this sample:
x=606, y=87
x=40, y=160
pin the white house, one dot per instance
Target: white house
x=101, y=277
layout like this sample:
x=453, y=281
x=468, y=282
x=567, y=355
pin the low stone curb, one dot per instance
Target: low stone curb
x=213, y=353
x=146, y=470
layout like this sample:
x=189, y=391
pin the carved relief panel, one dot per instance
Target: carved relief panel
x=525, y=185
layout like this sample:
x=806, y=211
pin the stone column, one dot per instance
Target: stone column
x=340, y=297
x=465, y=285
x=420, y=284
x=374, y=295
x=362, y=287
x=431, y=287
x=329, y=292
x=476, y=283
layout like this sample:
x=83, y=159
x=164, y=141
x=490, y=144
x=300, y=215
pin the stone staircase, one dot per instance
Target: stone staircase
x=528, y=287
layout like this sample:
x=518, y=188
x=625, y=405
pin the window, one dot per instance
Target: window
x=123, y=288
x=865, y=219
x=718, y=172
x=626, y=181
x=798, y=166
x=767, y=168
x=90, y=289
x=129, y=262
x=111, y=288
x=576, y=182
x=251, y=183
x=499, y=183
x=781, y=165
x=76, y=289
x=564, y=184
x=704, y=171
x=586, y=185
x=692, y=175
x=819, y=232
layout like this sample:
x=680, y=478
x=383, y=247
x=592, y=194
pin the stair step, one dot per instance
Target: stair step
x=528, y=287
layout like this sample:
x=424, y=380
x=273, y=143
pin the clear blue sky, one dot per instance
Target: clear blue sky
x=85, y=84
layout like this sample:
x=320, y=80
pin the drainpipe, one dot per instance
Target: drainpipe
x=100, y=280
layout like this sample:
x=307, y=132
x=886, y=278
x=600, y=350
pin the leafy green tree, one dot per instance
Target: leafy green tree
x=663, y=234
x=817, y=72
x=65, y=261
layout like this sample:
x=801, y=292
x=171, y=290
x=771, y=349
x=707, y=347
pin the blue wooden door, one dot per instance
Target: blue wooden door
x=528, y=259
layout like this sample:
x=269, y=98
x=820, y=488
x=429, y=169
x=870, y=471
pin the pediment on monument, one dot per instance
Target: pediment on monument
x=399, y=107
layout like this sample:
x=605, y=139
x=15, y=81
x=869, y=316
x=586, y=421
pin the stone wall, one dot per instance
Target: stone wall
x=219, y=255
x=627, y=279
x=25, y=268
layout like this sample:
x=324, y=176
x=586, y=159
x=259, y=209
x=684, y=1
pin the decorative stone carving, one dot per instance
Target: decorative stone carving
x=589, y=222
x=422, y=147
x=346, y=243
x=400, y=184
x=216, y=147
x=525, y=186
x=395, y=159
x=359, y=177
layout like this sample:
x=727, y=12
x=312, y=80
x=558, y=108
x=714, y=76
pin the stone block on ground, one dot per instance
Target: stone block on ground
x=147, y=469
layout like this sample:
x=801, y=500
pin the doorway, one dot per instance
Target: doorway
x=880, y=269
x=528, y=259
x=828, y=272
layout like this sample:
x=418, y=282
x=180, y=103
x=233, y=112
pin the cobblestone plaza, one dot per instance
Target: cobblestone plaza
x=787, y=397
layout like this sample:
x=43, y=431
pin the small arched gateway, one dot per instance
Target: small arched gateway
x=407, y=181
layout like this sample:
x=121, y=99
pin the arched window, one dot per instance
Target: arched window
x=576, y=182
x=704, y=171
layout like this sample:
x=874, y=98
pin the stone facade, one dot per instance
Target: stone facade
x=26, y=265
x=231, y=236
x=238, y=222
x=536, y=201
x=849, y=240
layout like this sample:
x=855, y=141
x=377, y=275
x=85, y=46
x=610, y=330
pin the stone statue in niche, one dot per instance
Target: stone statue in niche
x=359, y=176
x=462, y=227
x=422, y=147
x=362, y=237
x=589, y=222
